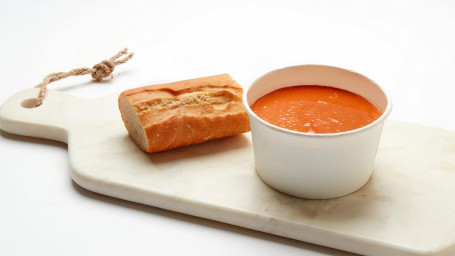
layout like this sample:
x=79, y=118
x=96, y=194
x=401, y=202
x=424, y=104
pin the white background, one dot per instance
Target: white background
x=408, y=47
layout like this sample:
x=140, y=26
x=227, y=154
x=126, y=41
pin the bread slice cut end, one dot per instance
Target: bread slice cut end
x=132, y=122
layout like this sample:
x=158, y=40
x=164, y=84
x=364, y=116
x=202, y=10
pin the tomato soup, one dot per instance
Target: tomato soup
x=315, y=109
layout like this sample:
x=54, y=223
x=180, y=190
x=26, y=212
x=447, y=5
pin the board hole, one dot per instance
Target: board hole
x=29, y=103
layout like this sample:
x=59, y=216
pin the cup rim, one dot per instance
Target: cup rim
x=381, y=119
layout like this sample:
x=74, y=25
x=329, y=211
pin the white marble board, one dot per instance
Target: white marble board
x=407, y=207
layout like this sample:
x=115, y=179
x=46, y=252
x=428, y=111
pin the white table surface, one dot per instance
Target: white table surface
x=408, y=47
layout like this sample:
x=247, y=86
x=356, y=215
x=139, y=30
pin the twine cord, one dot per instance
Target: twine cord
x=99, y=72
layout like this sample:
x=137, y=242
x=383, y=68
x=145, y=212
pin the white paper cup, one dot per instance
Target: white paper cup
x=308, y=165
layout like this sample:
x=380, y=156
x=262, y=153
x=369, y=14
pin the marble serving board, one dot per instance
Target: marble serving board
x=407, y=207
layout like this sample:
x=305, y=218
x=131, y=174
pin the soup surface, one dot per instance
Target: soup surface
x=315, y=109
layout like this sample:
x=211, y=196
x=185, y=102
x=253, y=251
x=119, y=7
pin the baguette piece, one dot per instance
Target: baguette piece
x=166, y=116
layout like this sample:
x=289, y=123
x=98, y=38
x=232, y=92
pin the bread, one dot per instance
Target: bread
x=166, y=116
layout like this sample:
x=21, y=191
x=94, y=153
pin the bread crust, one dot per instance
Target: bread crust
x=166, y=116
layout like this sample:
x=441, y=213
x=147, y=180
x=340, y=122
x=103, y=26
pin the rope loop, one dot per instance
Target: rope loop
x=99, y=72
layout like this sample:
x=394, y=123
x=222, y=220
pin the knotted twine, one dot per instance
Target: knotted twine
x=98, y=72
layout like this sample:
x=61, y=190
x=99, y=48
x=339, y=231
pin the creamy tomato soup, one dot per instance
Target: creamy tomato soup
x=315, y=109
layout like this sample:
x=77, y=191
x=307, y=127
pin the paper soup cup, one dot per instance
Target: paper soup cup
x=308, y=165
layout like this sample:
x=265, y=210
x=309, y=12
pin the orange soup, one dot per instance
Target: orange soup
x=315, y=109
